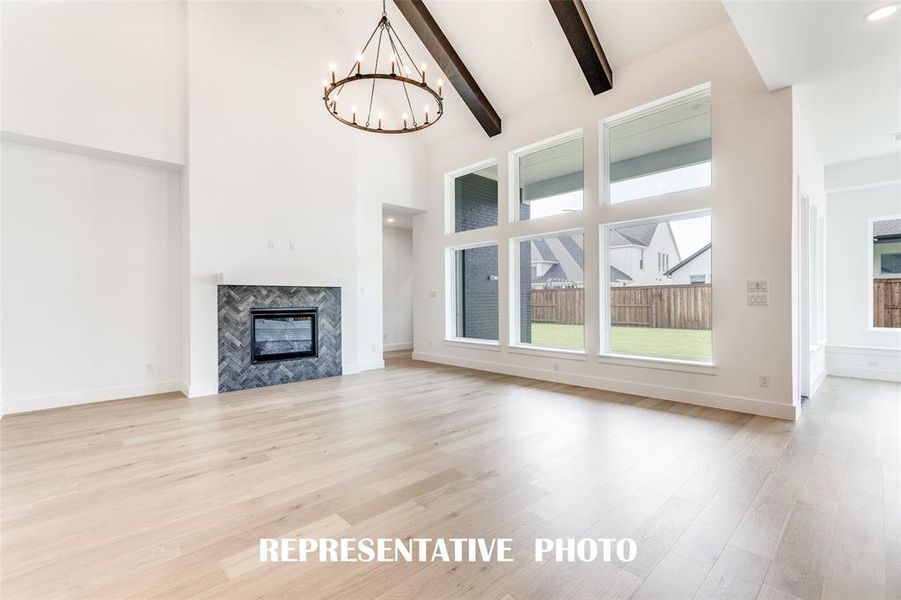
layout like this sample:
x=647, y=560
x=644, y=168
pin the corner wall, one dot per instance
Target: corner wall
x=751, y=202
x=857, y=192
x=810, y=263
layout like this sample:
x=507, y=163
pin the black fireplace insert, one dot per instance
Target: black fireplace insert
x=283, y=333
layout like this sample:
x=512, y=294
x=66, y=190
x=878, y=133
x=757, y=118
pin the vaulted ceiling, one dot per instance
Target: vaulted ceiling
x=517, y=50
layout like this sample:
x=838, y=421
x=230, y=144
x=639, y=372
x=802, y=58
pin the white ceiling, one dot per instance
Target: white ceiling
x=400, y=217
x=516, y=49
x=847, y=70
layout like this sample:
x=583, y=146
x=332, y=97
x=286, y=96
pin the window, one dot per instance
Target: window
x=886, y=265
x=475, y=313
x=660, y=151
x=551, y=291
x=475, y=199
x=662, y=261
x=548, y=180
x=664, y=313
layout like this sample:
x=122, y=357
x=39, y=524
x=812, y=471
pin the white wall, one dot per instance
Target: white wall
x=90, y=269
x=751, y=202
x=268, y=164
x=397, y=270
x=857, y=192
x=103, y=75
x=95, y=90
x=810, y=179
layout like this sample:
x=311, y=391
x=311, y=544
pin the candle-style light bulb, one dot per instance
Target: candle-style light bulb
x=353, y=110
x=359, y=59
x=324, y=88
x=404, y=117
x=440, y=83
x=407, y=70
x=423, y=72
x=393, y=60
x=332, y=68
x=426, y=114
x=380, y=120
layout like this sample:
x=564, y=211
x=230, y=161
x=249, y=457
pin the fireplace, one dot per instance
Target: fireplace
x=278, y=334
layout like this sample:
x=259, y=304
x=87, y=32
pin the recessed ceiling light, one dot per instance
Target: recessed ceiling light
x=390, y=219
x=881, y=12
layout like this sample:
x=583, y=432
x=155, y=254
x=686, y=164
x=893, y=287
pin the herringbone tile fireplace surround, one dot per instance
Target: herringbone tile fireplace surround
x=236, y=369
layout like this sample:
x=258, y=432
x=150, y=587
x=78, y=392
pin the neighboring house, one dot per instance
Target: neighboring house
x=695, y=269
x=887, y=248
x=642, y=254
x=557, y=261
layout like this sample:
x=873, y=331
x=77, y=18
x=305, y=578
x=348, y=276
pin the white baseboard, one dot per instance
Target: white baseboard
x=359, y=367
x=199, y=390
x=752, y=406
x=33, y=403
x=864, y=362
x=398, y=346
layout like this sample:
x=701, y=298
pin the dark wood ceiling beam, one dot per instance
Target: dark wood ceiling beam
x=422, y=22
x=584, y=42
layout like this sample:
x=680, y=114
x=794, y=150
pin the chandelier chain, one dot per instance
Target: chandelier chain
x=401, y=64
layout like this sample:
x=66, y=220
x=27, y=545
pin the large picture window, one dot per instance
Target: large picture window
x=475, y=199
x=551, y=292
x=548, y=179
x=475, y=306
x=663, y=308
x=886, y=265
x=660, y=151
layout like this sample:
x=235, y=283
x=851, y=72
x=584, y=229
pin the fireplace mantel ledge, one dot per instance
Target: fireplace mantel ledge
x=222, y=279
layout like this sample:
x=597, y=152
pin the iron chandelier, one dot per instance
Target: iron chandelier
x=401, y=79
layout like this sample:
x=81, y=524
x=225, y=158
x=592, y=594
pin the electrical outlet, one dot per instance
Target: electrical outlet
x=758, y=285
x=763, y=381
x=759, y=299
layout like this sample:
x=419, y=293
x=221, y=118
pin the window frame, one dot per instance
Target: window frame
x=871, y=245
x=515, y=344
x=513, y=170
x=606, y=353
x=450, y=199
x=451, y=293
x=692, y=94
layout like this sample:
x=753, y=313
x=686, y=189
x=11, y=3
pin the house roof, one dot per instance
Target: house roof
x=617, y=275
x=681, y=264
x=640, y=235
x=888, y=228
x=566, y=252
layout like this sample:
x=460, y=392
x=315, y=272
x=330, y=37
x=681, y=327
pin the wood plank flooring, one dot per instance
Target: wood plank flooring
x=163, y=497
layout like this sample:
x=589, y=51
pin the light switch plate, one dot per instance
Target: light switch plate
x=758, y=285
x=758, y=299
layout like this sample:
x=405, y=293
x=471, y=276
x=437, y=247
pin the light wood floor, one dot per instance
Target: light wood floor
x=166, y=498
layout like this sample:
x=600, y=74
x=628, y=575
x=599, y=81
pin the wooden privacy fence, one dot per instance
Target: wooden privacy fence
x=887, y=302
x=670, y=306
x=565, y=306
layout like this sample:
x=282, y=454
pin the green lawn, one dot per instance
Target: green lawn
x=691, y=344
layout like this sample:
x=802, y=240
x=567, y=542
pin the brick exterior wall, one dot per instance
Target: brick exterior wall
x=476, y=206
